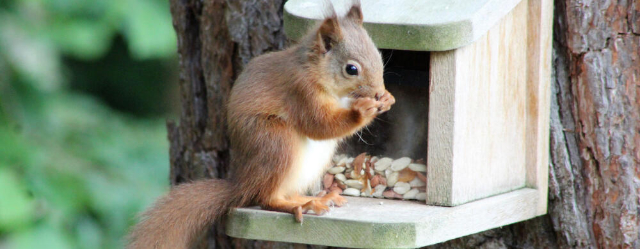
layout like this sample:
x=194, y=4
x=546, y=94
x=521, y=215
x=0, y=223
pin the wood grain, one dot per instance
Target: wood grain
x=477, y=115
x=539, y=25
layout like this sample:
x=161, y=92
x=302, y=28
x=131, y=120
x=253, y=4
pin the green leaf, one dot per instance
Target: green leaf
x=46, y=235
x=16, y=206
x=148, y=29
x=89, y=233
x=14, y=152
x=84, y=39
x=34, y=59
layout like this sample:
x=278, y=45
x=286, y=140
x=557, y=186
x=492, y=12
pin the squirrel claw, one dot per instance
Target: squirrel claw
x=386, y=100
x=369, y=107
x=335, y=198
x=297, y=212
x=316, y=206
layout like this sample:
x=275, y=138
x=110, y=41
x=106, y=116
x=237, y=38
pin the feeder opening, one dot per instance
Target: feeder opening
x=387, y=159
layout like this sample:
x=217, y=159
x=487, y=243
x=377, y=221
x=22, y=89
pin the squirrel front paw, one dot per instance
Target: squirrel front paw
x=367, y=107
x=385, y=101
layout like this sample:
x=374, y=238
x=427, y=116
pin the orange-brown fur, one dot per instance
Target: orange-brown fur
x=279, y=98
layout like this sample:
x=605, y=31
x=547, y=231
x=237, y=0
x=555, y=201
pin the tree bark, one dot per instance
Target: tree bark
x=216, y=38
x=595, y=117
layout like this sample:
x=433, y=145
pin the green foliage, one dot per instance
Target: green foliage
x=16, y=208
x=73, y=172
x=77, y=171
x=85, y=29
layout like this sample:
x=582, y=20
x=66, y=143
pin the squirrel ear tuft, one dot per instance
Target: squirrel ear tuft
x=328, y=34
x=355, y=12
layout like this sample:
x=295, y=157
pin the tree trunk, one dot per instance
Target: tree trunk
x=216, y=38
x=595, y=117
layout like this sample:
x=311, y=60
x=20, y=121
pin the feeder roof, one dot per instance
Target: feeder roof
x=420, y=25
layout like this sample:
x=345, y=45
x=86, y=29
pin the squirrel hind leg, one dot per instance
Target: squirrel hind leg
x=296, y=206
x=332, y=198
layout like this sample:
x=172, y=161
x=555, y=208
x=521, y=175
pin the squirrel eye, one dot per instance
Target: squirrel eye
x=351, y=69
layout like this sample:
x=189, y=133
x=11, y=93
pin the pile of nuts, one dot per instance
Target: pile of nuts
x=364, y=175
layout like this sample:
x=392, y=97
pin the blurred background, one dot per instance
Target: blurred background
x=85, y=90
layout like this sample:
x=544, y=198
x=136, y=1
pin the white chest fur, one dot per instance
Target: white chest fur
x=312, y=160
x=345, y=102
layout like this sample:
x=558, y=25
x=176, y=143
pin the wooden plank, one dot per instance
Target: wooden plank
x=442, y=86
x=436, y=25
x=366, y=223
x=477, y=115
x=540, y=18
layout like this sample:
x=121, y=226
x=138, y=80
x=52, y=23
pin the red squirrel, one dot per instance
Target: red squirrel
x=287, y=113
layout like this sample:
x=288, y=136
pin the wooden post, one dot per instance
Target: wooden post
x=540, y=13
x=477, y=115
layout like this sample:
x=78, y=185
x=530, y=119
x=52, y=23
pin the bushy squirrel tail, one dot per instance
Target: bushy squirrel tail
x=177, y=218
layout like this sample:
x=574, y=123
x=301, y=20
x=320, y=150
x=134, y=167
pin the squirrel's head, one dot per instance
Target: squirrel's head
x=342, y=47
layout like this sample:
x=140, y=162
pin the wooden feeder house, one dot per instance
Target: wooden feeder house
x=472, y=81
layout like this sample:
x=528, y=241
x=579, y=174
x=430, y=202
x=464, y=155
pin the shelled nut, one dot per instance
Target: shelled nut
x=336, y=170
x=377, y=176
